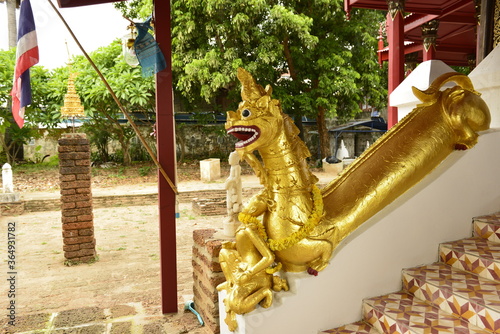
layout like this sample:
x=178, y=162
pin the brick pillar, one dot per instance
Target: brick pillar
x=76, y=198
x=207, y=274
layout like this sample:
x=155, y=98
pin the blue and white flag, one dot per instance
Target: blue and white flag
x=27, y=56
x=147, y=50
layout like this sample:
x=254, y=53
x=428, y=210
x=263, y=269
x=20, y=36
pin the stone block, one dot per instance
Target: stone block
x=210, y=169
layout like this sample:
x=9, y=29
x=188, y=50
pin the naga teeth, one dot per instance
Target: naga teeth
x=242, y=130
x=243, y=143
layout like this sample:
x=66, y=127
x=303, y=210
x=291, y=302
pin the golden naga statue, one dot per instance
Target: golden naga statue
x=294, y=226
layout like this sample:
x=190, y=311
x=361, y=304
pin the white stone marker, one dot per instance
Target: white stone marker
x=8, y=184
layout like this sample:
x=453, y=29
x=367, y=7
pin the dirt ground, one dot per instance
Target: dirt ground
x=128, y=269
x=29, y=178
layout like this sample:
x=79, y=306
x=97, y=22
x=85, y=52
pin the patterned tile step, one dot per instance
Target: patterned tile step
x=477, y=255
x=458, y=292
x=359, y=327
x=401, y=313
x=488, y=227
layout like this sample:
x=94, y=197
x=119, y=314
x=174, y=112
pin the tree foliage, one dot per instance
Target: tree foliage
x=133, y=91
x=331, y=62
x=43, y=111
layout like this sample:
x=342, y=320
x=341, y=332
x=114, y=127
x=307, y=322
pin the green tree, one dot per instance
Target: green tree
x=134, y=92
x=42, y=110
x=330, y=61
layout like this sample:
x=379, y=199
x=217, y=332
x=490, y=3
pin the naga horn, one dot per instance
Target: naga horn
x=429, y=95
x=250, y=89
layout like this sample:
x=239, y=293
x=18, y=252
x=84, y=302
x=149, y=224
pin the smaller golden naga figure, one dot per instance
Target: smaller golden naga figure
x=293, y=226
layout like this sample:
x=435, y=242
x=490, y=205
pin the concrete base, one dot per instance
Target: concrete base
x=9, y=197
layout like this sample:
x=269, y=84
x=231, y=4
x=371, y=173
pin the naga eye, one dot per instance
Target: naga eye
x=245, y=113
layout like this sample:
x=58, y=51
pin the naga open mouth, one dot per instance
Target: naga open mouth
x=246, y=134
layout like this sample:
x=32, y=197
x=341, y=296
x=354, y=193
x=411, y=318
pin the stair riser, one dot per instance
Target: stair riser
x=381, y=322
x=459, y=306
x=359, y=327
x=487, y=230
x=469, y=262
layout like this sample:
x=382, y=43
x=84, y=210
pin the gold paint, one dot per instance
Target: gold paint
x=396, y=6
x=429, y=34
x=72, y=104
x=446, y=121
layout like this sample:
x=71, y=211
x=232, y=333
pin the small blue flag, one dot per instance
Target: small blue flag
x=147, y=50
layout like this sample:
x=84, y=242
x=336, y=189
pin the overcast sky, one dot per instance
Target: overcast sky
x=94, y=26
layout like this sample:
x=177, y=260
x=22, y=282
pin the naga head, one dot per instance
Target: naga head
x=258, y=120
x=467, y=112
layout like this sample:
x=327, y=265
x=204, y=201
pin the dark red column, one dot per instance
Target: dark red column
x=165, y=134
x=395, y=33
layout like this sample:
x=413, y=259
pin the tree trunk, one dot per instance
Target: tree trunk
x=125, y=145
x=297, y=119
x=324, y=138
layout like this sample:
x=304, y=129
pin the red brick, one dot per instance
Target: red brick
x=67, y=163
x=68, y=192
x=200, y=236
x=83, y=190
x=69, y=177
x=70, y=233
x=213, y=247
x=66, y=148
x=84, y=204
x=69, y=205
x=75, y=170
x=77, y=212
x=88, y=245
x=83, y=162
x=211, y=264
x=76, y=198
x=72, y=141
x=74, y=155
x=78, y=226
x=83, y=177
x=75, y=184
x=86, y=232
x=83, y=218
x=71, y=248
x=68, y=219
x=78, y=240
x=83, y=148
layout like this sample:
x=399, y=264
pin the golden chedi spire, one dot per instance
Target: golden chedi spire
x=72, y=104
